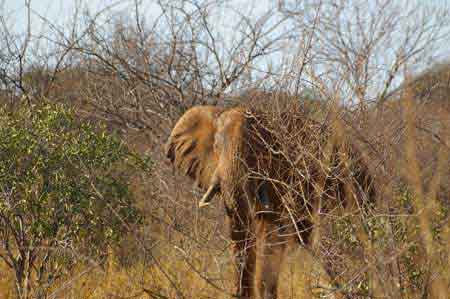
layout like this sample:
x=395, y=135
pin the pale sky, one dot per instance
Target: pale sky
x=59, y=11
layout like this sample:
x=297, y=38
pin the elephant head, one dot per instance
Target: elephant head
x=218, y=148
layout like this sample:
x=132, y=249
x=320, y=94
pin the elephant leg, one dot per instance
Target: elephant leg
x=270, y=249
x=244, y=255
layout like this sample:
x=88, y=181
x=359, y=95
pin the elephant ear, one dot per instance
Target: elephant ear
x=190, y=146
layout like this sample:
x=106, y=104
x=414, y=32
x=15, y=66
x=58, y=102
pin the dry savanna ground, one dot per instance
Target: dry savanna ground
x=299, y=275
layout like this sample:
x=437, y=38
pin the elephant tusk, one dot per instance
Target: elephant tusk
x=206, y=199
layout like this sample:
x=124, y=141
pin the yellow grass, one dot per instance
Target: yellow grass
x=149, y=281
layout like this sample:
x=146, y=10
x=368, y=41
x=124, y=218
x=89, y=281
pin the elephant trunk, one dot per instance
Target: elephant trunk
x=230, y=147
x=236, y=171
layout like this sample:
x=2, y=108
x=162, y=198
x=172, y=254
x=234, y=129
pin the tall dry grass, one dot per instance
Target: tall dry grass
x=299, y=274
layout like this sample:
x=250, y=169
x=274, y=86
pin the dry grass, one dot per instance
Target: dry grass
x=299, y=275
x=6, y=282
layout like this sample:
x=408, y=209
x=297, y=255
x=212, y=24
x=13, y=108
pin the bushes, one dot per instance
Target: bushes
x=65, y=193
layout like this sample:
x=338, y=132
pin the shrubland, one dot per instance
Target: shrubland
x=89, y=207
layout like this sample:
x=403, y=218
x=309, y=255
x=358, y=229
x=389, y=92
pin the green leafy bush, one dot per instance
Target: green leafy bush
x=64, y=192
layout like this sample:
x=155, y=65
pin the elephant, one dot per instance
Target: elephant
x=231, y=154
